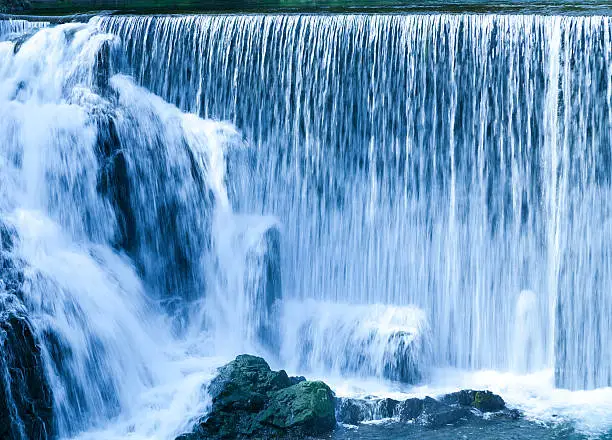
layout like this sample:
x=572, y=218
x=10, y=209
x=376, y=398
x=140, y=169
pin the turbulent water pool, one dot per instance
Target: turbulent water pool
x=401, y=204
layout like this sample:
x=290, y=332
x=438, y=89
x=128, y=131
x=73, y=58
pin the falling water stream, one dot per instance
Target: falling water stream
x=335, y=192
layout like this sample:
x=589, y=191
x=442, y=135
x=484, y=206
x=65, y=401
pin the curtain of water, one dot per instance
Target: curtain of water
x=15, y=27
x=459, y=163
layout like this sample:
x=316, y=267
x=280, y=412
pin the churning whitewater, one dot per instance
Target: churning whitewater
x=414, y=199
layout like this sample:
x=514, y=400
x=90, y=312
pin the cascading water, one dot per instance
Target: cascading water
x=107, y=199
x=445, y=161
x=17, y=27
x=431, y=189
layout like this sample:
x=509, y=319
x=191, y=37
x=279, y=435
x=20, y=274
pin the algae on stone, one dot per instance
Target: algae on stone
x=249, y=400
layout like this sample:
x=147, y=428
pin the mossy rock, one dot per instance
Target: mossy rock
x=485, y=401
x=307, y=406
x=249, y=400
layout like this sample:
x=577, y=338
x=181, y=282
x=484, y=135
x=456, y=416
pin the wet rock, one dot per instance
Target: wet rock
x=354, y=411
x=11, y=273
x=410, y=409
x=26, y=404
x=431, y=413
x=436, y=414
x=404, y=360
x=307, y=407
x=387, y=407
x=25, y=395
x=103, y=69
x=297, y=379
x=374, y=340
x=484, y=401
x=450, y=409
x=264, y=278
x=249, y=400
x=6, y=238
x=350, y=411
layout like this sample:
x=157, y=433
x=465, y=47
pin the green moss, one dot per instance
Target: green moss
x=487, y=401
x=306, y=404
x=249, y=400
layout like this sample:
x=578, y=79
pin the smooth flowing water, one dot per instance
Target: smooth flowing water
x=435, y=188
x=454, y=162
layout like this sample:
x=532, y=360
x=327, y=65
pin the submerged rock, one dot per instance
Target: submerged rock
x=367, y=340
x=249, y=400
x=354, y=411
x=450, y=409
x=264, y=279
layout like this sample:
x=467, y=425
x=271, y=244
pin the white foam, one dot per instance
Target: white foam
x=590, y=412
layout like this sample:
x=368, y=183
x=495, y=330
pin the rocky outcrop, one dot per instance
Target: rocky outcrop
x=249, y=400
x=450, y=409
x=484, y=401
x=26, y=404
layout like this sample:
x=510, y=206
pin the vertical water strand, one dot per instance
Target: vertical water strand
x=511, y=90
x=550, y=163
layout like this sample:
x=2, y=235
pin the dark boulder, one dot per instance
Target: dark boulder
x=432, y=413
x=410, y=409
x=249, y=400
x=307, y=408
x=436, y=414
x=450, y=409
x=484, y=401
x=26, y=404
x=297, y=379
x=350, y=411
x=354, y=411
x=404, y=361
x=359, y=339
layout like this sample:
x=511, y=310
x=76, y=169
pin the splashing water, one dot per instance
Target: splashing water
x=106, y=191
x=432, y=188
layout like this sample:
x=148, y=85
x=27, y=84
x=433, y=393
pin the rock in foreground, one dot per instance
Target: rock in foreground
x=249, y=400
x=450, y=409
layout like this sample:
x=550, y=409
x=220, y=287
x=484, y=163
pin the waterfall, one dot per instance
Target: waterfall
x=14, y=27
x=107, y=199
x=380, y=197
x=449, y=162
